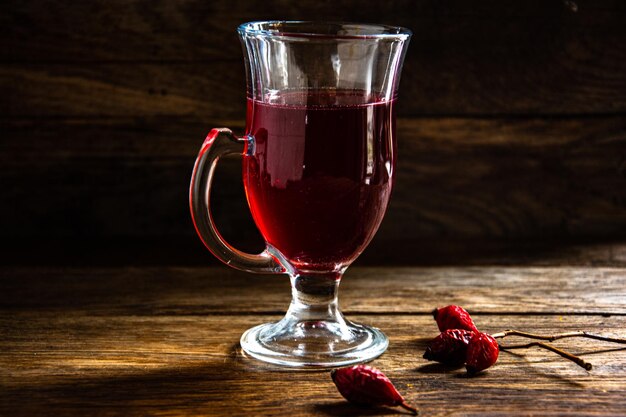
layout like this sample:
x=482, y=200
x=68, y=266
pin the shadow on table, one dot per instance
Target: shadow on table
x=529, y=367
x=344, y=408
x=226, y=385
x=437, y=368
x=189, y=387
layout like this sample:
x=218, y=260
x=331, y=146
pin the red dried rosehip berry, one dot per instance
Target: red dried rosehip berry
x=482, y=352
x=450, y=347
x=453, y=317
x=362, y=384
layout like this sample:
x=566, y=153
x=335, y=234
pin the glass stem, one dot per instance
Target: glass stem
x=314, y=298
x=314, y=332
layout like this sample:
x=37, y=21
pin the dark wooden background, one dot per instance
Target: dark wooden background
x=512, y=124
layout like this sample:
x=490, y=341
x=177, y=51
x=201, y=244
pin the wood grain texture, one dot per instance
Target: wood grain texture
x=365, y=290
x=204, y=91
x=168, y=250
x=493, y=58
x=164, y=341
x=191, y=365
x=457, y=177
x=512, y=117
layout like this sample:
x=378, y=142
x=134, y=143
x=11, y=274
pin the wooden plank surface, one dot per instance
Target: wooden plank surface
x=512, y=121
x=492, y=58
x=365, y=290
x=192, y=366
x=465, y=178
x=140, y=362
x=512, y=117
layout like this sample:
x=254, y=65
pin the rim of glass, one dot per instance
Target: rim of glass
x=322, y=29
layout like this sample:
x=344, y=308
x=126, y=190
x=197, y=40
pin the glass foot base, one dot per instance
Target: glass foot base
x=314, y=344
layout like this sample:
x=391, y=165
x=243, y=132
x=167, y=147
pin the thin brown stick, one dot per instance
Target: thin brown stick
x=552, y=338
x=413, y=410
x=577, y=360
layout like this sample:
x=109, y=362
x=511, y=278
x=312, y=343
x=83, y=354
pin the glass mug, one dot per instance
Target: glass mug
x=319, y=155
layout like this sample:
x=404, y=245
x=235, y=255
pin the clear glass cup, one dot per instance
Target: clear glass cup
x=319, y=156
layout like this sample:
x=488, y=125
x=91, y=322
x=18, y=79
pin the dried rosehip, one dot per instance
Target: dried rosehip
x=453, y=317
x=362, y=384
x=482, y=352
x=450, y=347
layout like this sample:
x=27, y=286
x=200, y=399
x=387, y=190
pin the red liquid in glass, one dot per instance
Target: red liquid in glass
x=320, y=176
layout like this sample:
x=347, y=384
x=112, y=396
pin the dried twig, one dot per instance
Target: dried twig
x=567, y=355
x=552, y=338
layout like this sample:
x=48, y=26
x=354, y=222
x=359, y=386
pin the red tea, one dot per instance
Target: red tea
x=319, y=178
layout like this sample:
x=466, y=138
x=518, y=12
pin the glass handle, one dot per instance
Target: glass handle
x=218, y=143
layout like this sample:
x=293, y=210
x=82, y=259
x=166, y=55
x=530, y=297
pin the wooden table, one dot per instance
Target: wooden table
x=164, y=340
